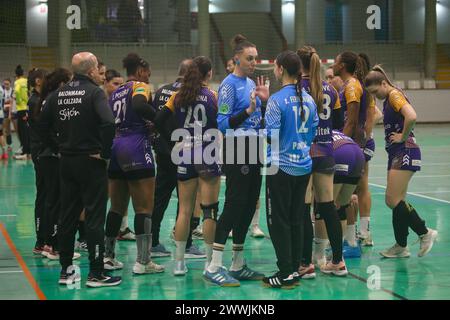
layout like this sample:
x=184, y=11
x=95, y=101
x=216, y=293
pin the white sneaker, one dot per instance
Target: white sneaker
x=366, y=239
x=256, y=232
x=21, y=157
x=112, y=264
x=426, y=242
x=396, y=251
x=180, y=268
x=197, y=233
x=150, y=267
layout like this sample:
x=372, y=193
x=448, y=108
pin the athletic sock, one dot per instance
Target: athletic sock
x=415, y=222
x=209, y=252
x=327, y=210
x=364, y=224
x=217, y=258
x=350, y=235
x=319, y=248
x=180, y=250
x=238, y=257
x=143, y=229
x=124, y=223
x=113, y=221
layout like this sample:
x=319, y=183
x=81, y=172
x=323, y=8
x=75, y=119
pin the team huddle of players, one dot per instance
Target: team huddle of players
x=319, y=146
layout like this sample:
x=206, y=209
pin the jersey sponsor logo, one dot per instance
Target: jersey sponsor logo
x=341, y=167
x=224, y=108
x=182, y=170
x=295, y=158
x=368, y=152
x=140, y=90
x=67, y=114
x=416, y=163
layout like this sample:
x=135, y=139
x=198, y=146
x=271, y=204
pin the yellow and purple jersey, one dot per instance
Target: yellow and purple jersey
x=121, y=101
x=394, y=120
x=353, y=91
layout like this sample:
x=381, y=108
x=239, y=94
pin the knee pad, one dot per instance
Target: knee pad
x=211, y=211
x=342, y=212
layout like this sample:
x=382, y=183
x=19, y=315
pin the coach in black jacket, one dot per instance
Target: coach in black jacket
x=80, y=114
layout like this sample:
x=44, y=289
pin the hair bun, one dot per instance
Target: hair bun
x=239, y=38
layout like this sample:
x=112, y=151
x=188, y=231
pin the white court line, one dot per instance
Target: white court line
x=15, y=271
x=418, y=176
x=424, y=163
x=414, y=194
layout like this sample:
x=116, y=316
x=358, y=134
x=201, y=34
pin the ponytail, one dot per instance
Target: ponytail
x=310, y=61
x=316, y=81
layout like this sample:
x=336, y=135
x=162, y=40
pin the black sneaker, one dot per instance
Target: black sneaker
x=68, y=278
x=278, y=282
x=97, y=280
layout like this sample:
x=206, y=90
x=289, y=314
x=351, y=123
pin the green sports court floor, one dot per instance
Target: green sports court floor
x=23, y=276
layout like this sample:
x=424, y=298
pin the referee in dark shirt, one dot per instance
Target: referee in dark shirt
x=80, y=114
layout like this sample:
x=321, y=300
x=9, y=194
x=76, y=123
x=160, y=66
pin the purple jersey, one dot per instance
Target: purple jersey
x=394, y=121
x=340, y=139
x=120, y=102
x=197, y=118
x=322, y=145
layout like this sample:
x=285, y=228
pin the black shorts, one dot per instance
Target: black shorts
x=323, y=165
x=132, y=175
x=346, y=180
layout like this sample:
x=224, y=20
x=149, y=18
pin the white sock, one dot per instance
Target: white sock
x=255, y=220
x=364, y=225
x=238, y=257
x=319, y=247
x=216, y=261
x=124, y=224
x=181, y=248
x=350, y=235
x=209, y=252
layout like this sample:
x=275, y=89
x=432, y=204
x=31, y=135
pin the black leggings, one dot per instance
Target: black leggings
x=243, y=186
x=50, y=168
x=285, y=202
x=23, y=131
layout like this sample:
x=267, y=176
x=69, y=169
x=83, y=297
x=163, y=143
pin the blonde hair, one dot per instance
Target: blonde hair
x=310, y=61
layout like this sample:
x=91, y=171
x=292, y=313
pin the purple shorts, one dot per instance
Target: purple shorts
x=405, y=159
x=369, y=149
x=349, y=162
x=131, y=158
x=322, y=158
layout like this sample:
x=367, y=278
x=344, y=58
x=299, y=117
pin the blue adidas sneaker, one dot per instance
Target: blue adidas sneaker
x=246, y=274
x=221, y=278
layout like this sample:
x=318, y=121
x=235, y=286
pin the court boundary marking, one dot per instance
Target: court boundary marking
x=22, y=263
x=414, y=194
